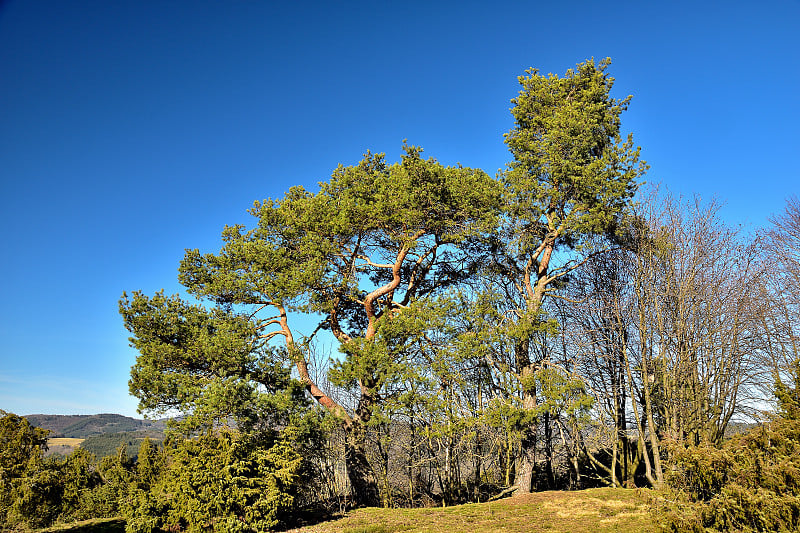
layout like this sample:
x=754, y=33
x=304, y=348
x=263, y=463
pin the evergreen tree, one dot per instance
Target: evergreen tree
x=571, y=180
x=30, y=485
x=370, y=244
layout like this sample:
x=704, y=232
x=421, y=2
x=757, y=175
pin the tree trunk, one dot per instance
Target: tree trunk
x=548, y=448
x=508, y=456
x=526, y=460
x=534, y=296
x=477, y=463
x=572, y=452
x=363, y=484
x=641, y=446
x=614, y=449
x=651, y=428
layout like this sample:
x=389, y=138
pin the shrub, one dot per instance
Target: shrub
x=219, y=481
x=750, y=483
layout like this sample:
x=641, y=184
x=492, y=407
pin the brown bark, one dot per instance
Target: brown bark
x=363, y=485
x=526, y=460
x=651, y=427
x=640, y=443
x=548, y=451
x=534, y=296
x=527, y=463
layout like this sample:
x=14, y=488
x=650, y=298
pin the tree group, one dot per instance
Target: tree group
x=545, y=328
x=377, y=243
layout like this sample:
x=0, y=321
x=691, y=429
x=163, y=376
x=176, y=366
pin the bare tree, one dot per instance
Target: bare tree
x=781, y=252
x=669, y=334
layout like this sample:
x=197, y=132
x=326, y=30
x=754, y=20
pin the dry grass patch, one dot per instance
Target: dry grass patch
x=62, y=445
x=64, y=441
x=589, y=511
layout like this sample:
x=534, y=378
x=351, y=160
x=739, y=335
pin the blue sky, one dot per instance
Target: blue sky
x=131, y=130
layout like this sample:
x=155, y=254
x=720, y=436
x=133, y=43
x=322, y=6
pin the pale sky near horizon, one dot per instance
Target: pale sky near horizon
x=133, y=129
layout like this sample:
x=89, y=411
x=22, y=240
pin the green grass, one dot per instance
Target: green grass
x=590, y=511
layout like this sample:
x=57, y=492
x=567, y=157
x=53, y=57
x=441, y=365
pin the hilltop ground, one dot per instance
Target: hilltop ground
x=588, y=511
x=593, y=510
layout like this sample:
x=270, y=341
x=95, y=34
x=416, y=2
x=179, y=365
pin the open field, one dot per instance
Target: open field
x=592, y=511
x=65, y=441
x=62, y=445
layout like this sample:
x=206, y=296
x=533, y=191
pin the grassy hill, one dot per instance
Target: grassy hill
x=62, y=445
x=101, y=525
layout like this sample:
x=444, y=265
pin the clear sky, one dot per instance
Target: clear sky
x=133, y=129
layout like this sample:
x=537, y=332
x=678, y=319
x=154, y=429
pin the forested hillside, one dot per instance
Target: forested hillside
x=82, y=426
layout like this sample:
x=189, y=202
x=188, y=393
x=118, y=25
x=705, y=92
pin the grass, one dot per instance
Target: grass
x=587, y=511
x=64, y=441
x=591, y=511
x=62, y=445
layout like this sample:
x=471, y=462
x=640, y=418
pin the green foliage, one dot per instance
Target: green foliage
x=117, y=473
x=107, y=444
x=221, y=481
x=28, y=482
x=572, y=173
x=309, y=251
x=208, y=364
x=750, y=483
x=36, y=491
x=150, y=464
x=78, y=479
x=789, y=395
x=37, y=502
x=372, y=242
x=21, y=443
x=46, y=490
x=562, y=393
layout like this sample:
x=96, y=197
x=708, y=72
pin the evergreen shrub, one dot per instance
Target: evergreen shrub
x=219, y=481
x=750, y=483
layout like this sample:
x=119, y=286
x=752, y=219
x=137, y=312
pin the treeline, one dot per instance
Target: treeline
x=108, y=443
x=436, y=281
x=748, y=483
x=670, y=340
x=37, y=491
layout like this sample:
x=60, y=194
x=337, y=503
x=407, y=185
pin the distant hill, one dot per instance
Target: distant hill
x=83, y=426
